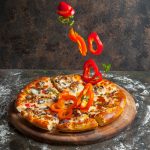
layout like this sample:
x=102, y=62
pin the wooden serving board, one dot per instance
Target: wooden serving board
x=88, y=137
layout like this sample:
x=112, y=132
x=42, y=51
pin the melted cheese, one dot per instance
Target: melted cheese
x=21, y=108
x=52, y=123
x=93, y=110
x=81, y=118
x=76, y=90
x=34, y=91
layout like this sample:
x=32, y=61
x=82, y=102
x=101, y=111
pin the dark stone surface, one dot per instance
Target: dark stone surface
x=136, y=136
x=31, y=36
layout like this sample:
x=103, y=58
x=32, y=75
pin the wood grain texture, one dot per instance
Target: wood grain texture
x=99, y=134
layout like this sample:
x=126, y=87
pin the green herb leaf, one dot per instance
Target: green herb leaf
x=106, y=67
x=71, y=17
x=71, y=23
x=84, y=97
x=66, y=21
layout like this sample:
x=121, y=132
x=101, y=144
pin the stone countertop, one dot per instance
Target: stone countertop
x=136, y=136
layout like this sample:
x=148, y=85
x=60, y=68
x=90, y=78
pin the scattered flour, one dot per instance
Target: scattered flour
x=147, y=116
x=145, y=93
x=124, y=79
x=121, y=146
x=137, y=105
x=16, y=74
x=45, y=147
x=5, y=133
x=4, y=90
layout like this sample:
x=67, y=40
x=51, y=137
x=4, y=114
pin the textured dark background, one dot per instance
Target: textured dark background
x=31, y=36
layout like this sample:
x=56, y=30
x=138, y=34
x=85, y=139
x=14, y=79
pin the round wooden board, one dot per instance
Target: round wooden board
x=88, y=137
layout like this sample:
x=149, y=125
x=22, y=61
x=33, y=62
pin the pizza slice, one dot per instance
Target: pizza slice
x=71, y=83
x=109, y=102
x=36, y=92
x=78, y=124
x=34, y=103
x=40, y=119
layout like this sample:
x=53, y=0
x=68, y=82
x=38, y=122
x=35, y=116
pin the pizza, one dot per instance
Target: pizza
x=67, y=104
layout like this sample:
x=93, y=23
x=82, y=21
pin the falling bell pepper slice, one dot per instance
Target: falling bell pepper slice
x=94, y=37
x=66, y=14
x=90, y=64
x=97, y=78
x=65, y=10
x=75, y=37
x=86, y=97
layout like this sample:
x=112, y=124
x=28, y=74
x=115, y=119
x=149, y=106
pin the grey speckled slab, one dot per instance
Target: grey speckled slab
x=136, y=136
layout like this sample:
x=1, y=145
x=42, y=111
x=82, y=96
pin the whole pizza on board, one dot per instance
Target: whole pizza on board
x=66, y=103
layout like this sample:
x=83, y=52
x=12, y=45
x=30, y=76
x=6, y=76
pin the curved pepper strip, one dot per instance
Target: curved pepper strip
x=94, y=37
x=89, y=64
x=86, y=97
x=97, y=77
x=75, y=37
x=65, y=114
x=55, y=107
x=63, y=111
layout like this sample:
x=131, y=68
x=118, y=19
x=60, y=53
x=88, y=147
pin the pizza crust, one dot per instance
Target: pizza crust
x=47, y=123
x=78, y=124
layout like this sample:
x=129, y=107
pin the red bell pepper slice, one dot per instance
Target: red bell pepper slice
x=65, y=10
x=63, y=98
x=90, y=64
x=63, y=6
x=55, y=107
x=94, y=37
x=65, y=114
x=86, y=97
x=75, y=37
x=97, y=78
x=68, y=98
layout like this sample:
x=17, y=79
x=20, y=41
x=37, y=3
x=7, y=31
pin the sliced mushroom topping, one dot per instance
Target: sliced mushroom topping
x=77, y=112
x=43, y=107
x=54, y=98
x=34, y=91
x=64, y=121
x=41, y=101
x=28, y=96
x=42, y=113
x=41, y=84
